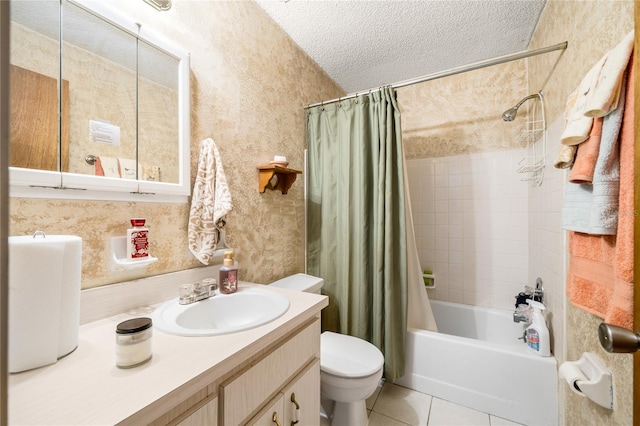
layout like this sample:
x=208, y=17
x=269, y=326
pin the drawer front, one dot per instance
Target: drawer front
x=207, y=415
x=246, y=393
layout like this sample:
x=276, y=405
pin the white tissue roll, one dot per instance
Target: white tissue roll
x=43, y=276
x=572, y=373
x=69, y=323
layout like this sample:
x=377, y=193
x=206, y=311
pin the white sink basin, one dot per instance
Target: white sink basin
x=249, y=307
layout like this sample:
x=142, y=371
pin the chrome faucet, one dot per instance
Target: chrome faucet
x=521, y=314
x=191, y=293
x=538, y=293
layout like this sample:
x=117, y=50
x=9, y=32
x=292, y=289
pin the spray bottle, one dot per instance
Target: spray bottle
x=537, y=333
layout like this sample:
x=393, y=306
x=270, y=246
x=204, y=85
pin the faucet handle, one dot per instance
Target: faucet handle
x=538, y=293
x=185, y=293
x=210, y=285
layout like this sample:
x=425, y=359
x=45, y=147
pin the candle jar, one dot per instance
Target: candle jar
x=133, y=342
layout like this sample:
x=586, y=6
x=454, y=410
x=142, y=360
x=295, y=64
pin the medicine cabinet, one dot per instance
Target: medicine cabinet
x=99, y=104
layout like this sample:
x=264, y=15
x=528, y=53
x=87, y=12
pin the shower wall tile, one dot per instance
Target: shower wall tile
x=473, y=226
x=547, y=256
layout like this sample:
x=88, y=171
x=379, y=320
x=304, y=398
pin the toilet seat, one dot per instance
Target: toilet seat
x=348, y=356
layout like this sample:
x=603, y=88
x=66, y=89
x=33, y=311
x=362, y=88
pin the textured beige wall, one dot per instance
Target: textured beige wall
x=462, y=114
x=249, y=83
x=591, y=28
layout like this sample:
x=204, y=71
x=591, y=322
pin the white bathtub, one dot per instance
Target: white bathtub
x=477, y=361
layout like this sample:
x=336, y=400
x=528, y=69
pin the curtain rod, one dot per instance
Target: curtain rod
x=453, y=71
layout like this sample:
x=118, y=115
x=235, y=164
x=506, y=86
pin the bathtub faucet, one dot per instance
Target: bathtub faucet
x=520, y=316
x=538, y=293
x=523, y=312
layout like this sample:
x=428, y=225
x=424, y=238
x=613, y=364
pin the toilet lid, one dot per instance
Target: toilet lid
x=348, y=356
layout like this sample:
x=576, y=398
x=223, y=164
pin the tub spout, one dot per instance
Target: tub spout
x=520, y=317
x=521, y=314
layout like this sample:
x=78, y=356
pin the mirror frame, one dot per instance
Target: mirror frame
x=31, y=183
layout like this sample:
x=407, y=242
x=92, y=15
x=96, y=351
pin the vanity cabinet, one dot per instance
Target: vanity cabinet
x=272, y=415
x=297, y=404
x=302, y=397
x=207, y=415
x=283, y=379
x=281, y=371
x=230, y=379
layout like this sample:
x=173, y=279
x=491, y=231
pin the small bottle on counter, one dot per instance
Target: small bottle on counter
x=137, y=240
x=133, y=342
x=228, y=274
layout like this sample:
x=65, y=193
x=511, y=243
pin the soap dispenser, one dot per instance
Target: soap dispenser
x=228, y=274
x=537, y=333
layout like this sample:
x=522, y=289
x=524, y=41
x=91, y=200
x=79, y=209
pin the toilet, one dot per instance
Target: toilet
x=350, y=368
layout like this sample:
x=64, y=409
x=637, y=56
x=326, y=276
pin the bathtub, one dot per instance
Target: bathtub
x=477, y=361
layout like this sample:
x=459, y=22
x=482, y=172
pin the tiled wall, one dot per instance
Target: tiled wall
x=472, y=225
x=547, y=240
x=487, y=234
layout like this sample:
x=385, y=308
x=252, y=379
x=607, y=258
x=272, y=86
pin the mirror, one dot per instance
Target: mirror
x=98, y=102
x=35, y=65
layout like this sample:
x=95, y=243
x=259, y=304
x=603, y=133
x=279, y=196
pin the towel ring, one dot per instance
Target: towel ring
x=39, y=232
x=90, y=159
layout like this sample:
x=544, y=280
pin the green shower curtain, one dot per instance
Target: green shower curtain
x=356, y=220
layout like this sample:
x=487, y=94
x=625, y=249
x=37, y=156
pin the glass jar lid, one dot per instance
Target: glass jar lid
x=134, y=325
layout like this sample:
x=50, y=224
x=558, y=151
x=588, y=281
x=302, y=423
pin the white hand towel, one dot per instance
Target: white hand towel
x=210, y=202
x=593, y=209
x=578, y=125
x=603, y=98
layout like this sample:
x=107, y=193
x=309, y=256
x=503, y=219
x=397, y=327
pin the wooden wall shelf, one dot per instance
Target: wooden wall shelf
x=276, y=178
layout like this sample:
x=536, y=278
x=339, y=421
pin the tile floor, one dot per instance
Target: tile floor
x=393, y=405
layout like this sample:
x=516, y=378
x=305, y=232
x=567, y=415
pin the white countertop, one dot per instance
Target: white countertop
x=86, y=387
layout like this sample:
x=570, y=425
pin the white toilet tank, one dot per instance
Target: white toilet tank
x=300, y=282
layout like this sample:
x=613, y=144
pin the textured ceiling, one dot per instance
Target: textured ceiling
x=365, y=44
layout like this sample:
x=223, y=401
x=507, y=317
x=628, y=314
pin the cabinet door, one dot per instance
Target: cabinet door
x=242, y=395
x=302, y=398
x=272, y=415
x=207, y=415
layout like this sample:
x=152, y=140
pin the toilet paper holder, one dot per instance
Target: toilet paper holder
x=592, y=379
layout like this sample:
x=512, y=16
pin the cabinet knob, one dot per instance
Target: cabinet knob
x=296, y=410
x=274, y=419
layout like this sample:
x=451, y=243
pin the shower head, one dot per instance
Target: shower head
x=510, y=114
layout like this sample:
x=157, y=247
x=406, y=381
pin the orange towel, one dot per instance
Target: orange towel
x=587, y=155
x=98, y=170
x=600, y=277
